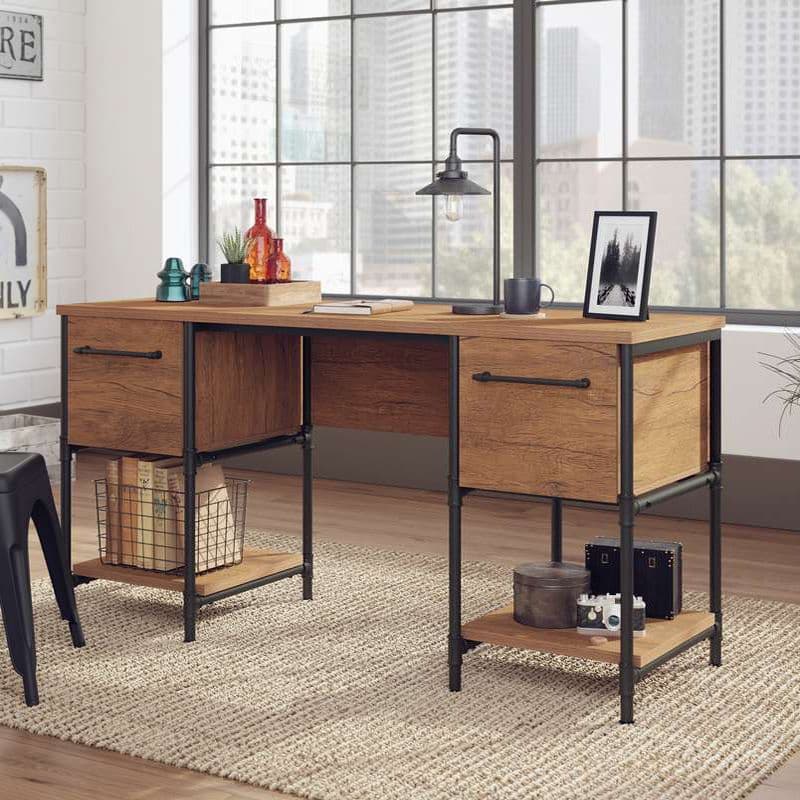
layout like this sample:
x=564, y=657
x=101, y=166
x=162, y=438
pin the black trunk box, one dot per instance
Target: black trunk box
x=657, y=573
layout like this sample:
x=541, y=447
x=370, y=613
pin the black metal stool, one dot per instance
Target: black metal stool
x=25, y=494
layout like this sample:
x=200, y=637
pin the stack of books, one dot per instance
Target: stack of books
x=145, y=502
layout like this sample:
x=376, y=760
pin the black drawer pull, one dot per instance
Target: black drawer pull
x=487, y=377
x=86, y=350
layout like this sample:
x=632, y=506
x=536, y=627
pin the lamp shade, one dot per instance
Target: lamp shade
x=445, y=185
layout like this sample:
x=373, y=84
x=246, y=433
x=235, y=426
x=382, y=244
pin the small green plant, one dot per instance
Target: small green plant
x=234, y=246
x=788, y=369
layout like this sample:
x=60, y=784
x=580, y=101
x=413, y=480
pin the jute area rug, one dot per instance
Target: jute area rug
x=346, y=697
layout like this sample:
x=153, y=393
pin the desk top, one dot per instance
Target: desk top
x=424, y=318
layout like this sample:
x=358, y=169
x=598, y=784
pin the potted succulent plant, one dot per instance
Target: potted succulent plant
x=234, y=245
x=788, y=369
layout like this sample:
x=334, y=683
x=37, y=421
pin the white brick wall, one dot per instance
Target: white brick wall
x=43, y=123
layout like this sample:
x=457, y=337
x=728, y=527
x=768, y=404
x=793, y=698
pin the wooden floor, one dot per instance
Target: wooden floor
x=758, y=562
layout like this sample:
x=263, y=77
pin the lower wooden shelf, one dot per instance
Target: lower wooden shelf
x=662, y=635
x=256, y=564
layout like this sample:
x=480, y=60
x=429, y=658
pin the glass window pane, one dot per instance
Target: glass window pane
x=315, y=222
x=228, y=12
x=242, y=94
x=762, y=62
x=378, y=6
x=686, y=256
x=315, y=91
x=292, y=9
x=475, y=80
x=673, y=56
x=762, y=221
x=464, y=249
x=233, y=190
x=569, y=194
x=393, y=104
x=441, y=4
x=393, y=230
x=580, y=80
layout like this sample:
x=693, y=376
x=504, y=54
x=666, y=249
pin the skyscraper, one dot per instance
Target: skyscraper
x=661, y=69
x=570, y=86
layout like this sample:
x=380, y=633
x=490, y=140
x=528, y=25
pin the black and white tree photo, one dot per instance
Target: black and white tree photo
x=619, y=264
x=619, y=272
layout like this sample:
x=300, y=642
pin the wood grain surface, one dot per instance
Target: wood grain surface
x=548, y=440
x=247, y=387
x=670, y=411
x=255, y=564
x=126, y=403
x=661, y=635
x=561, y=325
x=380, y=384
x=295, y=293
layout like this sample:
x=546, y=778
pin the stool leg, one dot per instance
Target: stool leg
x=49, y=530
x=15, y=595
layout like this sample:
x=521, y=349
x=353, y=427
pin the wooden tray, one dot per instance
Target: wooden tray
x=295, y=293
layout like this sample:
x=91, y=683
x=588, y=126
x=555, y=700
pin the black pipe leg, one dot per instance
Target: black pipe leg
x=455, y=647
x=715, y=492
x=65, y=450
x=626, y=668
x=455, y=644
x=308, y=476
x=556, y=529
x=627, y=512
x=308, y=512
x=189, y=475
x=715, y=655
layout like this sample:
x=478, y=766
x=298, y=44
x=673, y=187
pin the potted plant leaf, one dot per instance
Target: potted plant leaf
x=788, y=369
x=234, y=245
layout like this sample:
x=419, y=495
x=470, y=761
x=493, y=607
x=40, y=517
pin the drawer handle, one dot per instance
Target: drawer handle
x=86, y=350
x=487, y=377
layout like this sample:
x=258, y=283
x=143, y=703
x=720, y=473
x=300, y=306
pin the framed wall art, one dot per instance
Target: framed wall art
x=23, y=241
x=21, y=44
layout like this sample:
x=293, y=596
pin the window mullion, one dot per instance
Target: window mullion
x=434, y=136
x=723, y=234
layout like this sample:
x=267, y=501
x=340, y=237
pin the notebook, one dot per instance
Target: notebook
x=362, y=307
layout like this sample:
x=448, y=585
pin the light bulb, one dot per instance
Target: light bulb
x=454, y=207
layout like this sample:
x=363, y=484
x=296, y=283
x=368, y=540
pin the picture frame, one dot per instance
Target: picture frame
x=23, y=241
x=620, y=262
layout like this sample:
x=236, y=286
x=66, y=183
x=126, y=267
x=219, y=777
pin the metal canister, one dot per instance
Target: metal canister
x=546, y=595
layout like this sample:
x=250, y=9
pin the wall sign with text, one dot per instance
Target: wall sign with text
x=20, y=46
x=23, y=241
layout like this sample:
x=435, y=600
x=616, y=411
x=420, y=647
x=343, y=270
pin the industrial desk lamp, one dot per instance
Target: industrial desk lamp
x=453, y=182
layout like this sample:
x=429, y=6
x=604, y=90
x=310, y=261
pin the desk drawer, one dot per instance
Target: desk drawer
x=125, y=400
x=556, y=440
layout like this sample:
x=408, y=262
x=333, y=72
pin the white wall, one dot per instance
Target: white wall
x=43, y=124
x=123, y=164
x=179, y=131
x=750, y=425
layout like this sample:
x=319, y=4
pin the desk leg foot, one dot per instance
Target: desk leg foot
x=189, y=627
x=455, y=677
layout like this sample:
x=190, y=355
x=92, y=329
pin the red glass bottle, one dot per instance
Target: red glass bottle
x=262, y=244
x=280, y=265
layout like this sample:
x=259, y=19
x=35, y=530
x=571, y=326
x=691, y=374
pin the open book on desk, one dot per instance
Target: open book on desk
x=361, y=307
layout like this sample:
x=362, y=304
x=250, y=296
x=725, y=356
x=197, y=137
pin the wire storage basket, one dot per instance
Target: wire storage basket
x=143, y=528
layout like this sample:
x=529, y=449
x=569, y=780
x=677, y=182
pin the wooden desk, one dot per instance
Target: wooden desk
x=622, y=414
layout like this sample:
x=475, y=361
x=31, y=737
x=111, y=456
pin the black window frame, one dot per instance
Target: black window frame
x=525, y=160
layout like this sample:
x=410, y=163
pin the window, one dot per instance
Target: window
x=338, y=114
x=337, y=111
x=629, y=105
